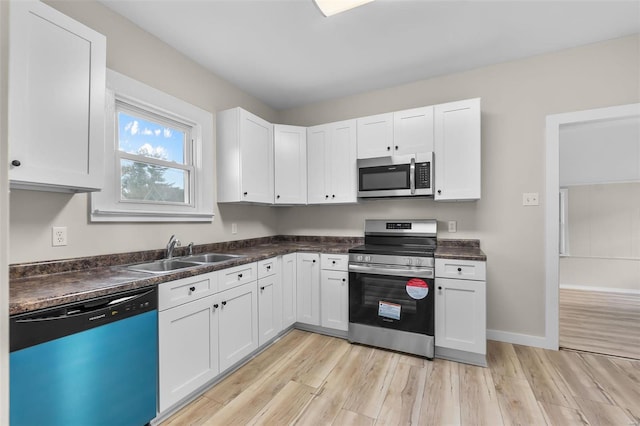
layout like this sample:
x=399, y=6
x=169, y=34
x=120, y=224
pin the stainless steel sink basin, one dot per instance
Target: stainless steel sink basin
x=165, y=265
x=210, y=257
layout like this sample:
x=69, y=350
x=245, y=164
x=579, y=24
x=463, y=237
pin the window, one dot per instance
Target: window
x=158, y=157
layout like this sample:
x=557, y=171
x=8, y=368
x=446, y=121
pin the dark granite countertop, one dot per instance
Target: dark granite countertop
x=48, y=284
x=43, y=285
x=460, y=249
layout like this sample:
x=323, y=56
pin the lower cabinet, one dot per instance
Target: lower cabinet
x=288, y=281
x=308, y=288
x=237, y=324
x=334, y=291
x=460, y=309
x=269, y=300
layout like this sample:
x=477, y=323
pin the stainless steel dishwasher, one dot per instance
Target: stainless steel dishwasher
x=88, y=363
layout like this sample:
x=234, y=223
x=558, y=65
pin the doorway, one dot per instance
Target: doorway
x=588, y=249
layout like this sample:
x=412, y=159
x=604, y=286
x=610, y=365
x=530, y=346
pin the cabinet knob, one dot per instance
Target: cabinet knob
x=459, y=269
x=239, y=276
x=192, y=289
x=268, y=267
x=262, y=288
x=245, y=193
x=333, y=262
x=224, y=302
x=344, y=280
x=314, y=261
x=439, y=191
x=396, y=147
x=15, y=163
x=440, y=288
x=278, y=197
x=215, y=306
x=333, y=196
x=388, y=148
x=326, y=196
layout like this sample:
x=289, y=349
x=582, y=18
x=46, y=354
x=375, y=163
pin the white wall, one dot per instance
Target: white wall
x=137, y=54
x=603, y=237
x=516, y=98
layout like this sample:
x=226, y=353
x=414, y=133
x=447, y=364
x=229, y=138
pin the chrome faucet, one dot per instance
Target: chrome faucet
x=190, y=248
x=171, y=245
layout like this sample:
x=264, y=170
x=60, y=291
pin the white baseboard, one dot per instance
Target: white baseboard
x=600, y=289
x=518, y=339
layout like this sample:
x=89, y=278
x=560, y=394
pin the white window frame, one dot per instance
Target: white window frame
x=107, y=205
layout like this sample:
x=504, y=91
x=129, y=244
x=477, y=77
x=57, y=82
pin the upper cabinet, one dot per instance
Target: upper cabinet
x=244, y=157
x=457, y=150
x=290, y=165
x=56, y=101
x=396, y=133
x=331, y=163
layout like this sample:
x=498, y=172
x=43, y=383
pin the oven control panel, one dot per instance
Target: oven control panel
x=382, y=259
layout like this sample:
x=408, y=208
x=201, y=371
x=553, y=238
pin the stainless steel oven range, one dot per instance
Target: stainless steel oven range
x=391, y=286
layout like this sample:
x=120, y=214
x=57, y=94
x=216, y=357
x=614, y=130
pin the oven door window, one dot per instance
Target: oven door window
x=391, y=302
x=384, y=177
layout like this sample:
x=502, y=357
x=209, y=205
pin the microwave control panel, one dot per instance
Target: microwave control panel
x=423, y=175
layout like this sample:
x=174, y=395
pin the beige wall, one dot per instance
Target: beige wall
x=603, y=237
x=516, y=98
x=135, y=53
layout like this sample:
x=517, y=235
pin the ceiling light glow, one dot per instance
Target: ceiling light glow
x=332, y=7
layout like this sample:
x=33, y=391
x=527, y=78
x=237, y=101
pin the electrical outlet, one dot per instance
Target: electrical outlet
x=234, y=228
x=453, y=226
x=530, y=199
x=59, y=236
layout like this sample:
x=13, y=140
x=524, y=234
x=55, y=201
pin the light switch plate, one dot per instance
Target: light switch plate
x=530, y=199
x=453, y=226
x=234, y=228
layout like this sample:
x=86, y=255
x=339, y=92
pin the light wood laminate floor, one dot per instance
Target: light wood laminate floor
x=606, y=323
x=311, y=379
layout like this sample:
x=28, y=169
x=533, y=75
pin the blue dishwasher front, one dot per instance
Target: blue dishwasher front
x=89, y=363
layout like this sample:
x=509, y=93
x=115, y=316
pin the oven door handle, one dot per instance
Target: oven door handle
x=396, y=272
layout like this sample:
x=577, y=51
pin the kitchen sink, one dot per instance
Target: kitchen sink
x=164, y=265
x=211, y=257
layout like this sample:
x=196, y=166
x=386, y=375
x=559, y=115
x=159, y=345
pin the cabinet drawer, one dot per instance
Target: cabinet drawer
x=334, y=262
x=233, y=277
x=174, y=293
x=461, y=269
x=267, y=267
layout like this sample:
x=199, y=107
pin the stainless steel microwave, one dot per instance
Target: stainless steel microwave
x=398, y=176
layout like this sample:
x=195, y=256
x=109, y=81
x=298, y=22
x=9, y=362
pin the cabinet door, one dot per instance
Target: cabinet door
x=288, y=290
x=334, y=306
x=188, y=349
x=269, y=308
x=290, y=144
x=256, y=151
x=461, y=315
x=341, y=167
x=413, y=131
x=308, y=288
x=375, y=136
x=457, y=150
x=56, y=104
x=238, y=324
x=317, y=140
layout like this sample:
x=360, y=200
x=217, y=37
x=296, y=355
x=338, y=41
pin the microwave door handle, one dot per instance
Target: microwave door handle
x=394, y=272
x=412, y=176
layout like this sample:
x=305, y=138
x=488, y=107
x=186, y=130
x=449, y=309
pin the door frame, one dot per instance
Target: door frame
x=552, y=204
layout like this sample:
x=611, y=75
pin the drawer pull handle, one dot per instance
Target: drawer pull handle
x=224, y=302
x=192, y=289
x=459, y=269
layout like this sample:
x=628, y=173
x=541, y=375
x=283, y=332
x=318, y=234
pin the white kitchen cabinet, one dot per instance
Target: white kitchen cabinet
x=308, y=288
x=238, y=323
x=413, y=131
x=375, y=136
x=457, y=150
x=187, y=337
x=56, y=101
x=334, y=291
x=288, y=280
x=290, y=164
x=460, y=311
x=269, y=300
x=244, y=157
x=331, y=163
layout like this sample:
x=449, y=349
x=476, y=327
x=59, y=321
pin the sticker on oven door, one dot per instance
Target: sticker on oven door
x=417, y=288
x=389, y=310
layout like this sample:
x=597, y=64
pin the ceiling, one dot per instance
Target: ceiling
x=286, y=53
